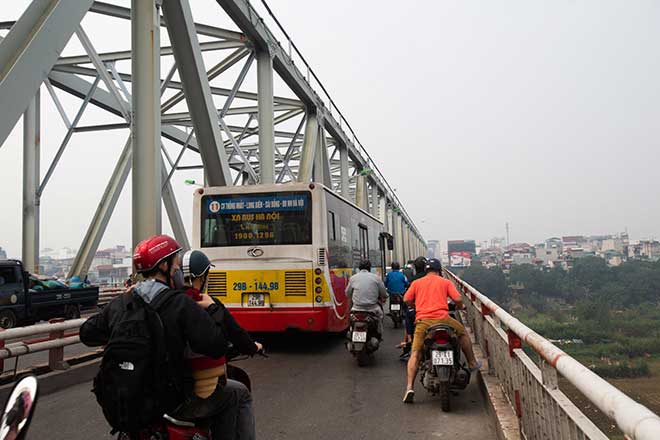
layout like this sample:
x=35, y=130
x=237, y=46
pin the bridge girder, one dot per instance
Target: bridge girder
x=300, y=138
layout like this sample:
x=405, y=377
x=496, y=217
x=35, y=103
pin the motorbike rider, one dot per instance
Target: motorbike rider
x=396, y=282
x=429, y=295
x=213, y=393
x=367, y=293
x=409, y=312
x=186, y=322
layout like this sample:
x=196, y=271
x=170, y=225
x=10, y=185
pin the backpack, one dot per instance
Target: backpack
x=134, y=383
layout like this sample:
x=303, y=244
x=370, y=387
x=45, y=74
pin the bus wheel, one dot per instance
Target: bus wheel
x=7, y=319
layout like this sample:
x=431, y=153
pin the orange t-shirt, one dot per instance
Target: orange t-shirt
x=430, y=296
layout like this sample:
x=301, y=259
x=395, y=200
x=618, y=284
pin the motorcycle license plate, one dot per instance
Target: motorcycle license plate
x=256, y=300
x=359, y=337
x=395, y=306
x=442, y=357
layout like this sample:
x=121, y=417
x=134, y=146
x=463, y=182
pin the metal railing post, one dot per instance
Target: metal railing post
x=56, y=355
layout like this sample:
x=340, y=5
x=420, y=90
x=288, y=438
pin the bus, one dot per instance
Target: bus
x=283, y=253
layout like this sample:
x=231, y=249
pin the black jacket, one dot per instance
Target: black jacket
x=184, y=321
x=234, y=332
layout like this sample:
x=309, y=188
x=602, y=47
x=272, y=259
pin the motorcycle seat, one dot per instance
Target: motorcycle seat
x=178, y=422
x=439, y=327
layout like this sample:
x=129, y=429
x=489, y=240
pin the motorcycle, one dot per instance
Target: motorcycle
x=170, y=428
x=362, y=336
x=442, y=368
x=395, y=309
x=19, y=409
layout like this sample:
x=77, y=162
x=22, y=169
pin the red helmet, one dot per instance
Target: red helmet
x=151, y=252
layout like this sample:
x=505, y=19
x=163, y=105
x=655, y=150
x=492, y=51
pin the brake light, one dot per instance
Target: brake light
x=441, y=337
x=357, y=316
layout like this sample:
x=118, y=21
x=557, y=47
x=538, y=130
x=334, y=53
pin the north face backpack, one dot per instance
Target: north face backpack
x=134, y=381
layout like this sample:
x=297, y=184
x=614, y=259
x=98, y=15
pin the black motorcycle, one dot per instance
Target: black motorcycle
x=442, y=368
x=396, y=301
x=363, y=336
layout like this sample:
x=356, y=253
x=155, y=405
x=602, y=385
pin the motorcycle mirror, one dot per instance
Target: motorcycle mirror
x=19, y=409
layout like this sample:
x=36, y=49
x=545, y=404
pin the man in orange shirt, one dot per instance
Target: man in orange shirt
x=429, y=296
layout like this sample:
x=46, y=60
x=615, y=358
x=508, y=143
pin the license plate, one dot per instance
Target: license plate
x=442, y=357
x=395, y=306
x=256, y=300
x=359, y=337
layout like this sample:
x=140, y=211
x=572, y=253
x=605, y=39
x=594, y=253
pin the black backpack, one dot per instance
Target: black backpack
x=135, y=384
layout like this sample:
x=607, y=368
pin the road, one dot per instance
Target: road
x=309, y=388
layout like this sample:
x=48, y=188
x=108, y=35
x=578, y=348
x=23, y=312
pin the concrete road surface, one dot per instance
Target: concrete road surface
x=310, y=388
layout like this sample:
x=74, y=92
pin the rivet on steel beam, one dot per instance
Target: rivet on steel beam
x=485, y=311
x=514, y=341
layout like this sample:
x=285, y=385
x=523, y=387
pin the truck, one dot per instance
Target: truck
x=26, y=299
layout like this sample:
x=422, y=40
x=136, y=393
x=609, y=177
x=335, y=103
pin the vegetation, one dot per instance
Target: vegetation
x=613, y=313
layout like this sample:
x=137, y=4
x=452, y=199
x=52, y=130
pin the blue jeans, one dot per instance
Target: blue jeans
x=236, y=421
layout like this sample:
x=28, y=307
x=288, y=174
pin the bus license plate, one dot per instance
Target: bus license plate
x=256, y=300
x=395, y=306
x=359, y=336
x=442, y=357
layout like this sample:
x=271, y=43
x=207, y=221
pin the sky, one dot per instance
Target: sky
x=536, y=113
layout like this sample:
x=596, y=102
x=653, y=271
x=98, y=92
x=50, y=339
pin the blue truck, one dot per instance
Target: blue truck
x=26, y=299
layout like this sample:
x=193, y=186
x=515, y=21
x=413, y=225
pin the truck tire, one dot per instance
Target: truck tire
x=7, y=319
x=72, y=312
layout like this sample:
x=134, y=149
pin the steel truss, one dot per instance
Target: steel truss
x=241, y=137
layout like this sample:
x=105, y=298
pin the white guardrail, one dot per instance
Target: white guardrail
x=51, y=336
x=544, y=412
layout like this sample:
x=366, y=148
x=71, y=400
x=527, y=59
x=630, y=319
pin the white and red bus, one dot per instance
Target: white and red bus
x=283, y=253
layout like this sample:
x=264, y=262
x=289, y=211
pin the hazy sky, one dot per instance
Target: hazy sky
x=540, y=113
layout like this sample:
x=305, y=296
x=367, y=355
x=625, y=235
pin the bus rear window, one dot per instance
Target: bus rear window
x=256, y=219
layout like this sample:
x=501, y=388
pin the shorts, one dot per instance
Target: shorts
x=423, y=324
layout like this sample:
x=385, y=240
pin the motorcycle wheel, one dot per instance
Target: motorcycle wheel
x=445, y=396
x=363, y=358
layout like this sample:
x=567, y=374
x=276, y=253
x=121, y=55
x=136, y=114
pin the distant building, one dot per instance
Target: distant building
x=3, y=254
x=461, y=252
x=433, y=249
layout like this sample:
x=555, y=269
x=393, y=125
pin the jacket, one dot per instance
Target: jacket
x=185, y=323
x=396, y=282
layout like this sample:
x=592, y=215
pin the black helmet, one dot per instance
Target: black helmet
x=420, y=264
x=396, y=266
x=365, y=265
x=434, y=264
x=195, y=264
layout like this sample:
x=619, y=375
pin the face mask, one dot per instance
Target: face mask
x=179, y=282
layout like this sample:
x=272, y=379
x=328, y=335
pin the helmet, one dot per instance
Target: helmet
x=434, y=264
x=420, y=264
x=151, y=252
x=195, y=264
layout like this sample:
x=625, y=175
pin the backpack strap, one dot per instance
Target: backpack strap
x=163, y=298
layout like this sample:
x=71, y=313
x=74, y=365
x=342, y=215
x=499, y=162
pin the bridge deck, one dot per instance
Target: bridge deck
x=310, y=388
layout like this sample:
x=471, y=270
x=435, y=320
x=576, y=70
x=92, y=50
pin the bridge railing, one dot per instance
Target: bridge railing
x=543, y=410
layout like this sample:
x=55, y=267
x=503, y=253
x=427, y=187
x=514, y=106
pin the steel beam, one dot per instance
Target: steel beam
x=181, y=30
x=126, y=54
x=309, y=148
x=361, y=192
x=31, y=158
x=172, y=208
x=343, y=171
x=322, y=172
x=145, y=129
x=266, y=125
x=175, y=85
x=29, y=51
x=375, y=201
x=202, y=29
x=103, y=213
